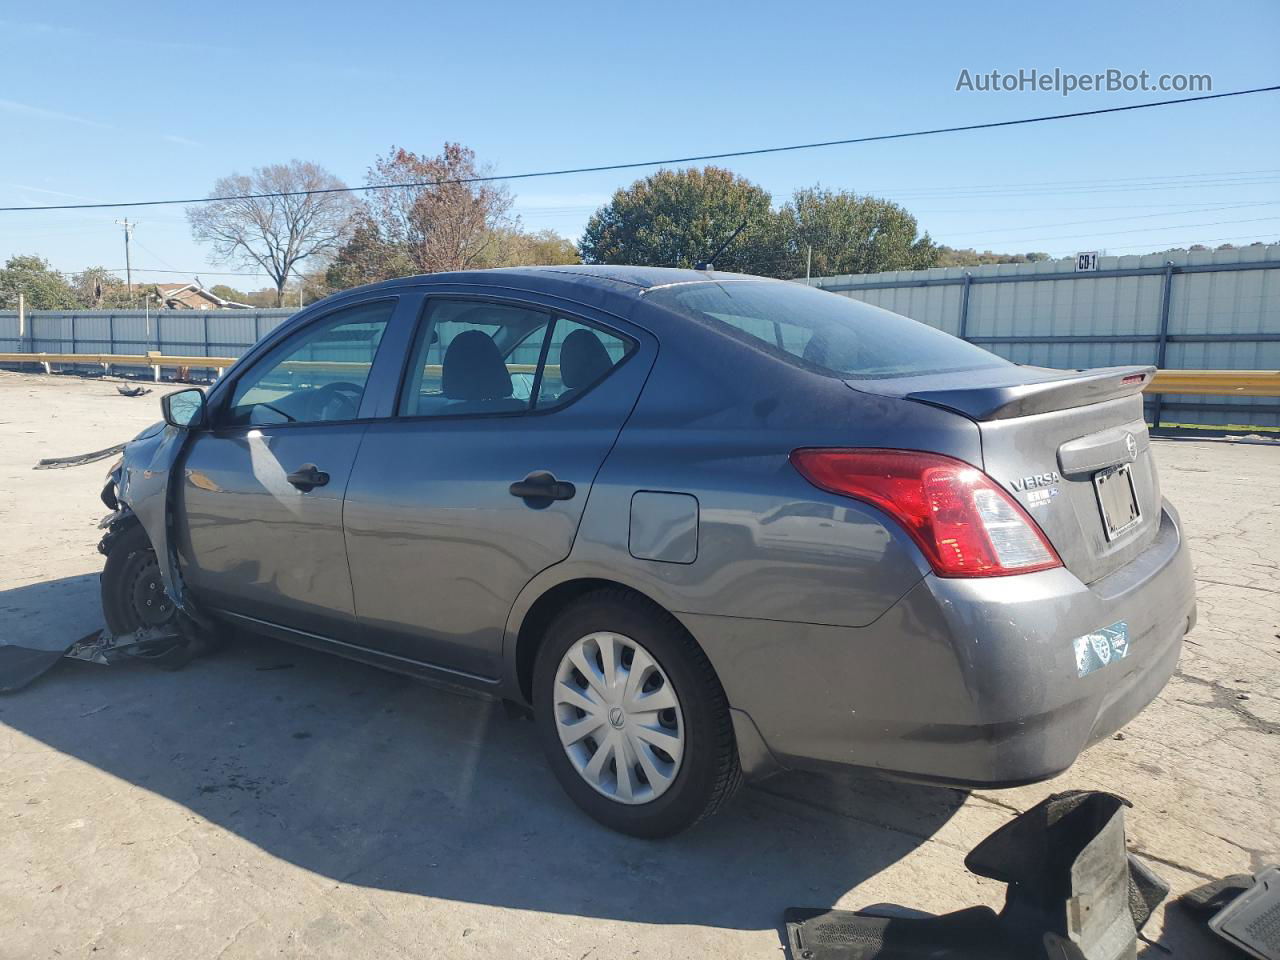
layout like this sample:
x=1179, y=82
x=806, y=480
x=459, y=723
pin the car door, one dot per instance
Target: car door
x=259, y=499
x=507, y=412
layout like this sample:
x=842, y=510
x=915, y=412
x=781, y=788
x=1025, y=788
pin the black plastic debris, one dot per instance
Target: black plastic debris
x=126, y=391
x=1074, y=893
x=167, y=647
x=19, y=666
x=78, y=460
x=1244, y=910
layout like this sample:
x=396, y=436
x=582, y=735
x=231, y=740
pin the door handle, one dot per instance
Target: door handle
x=543, y=485
x=307, y=477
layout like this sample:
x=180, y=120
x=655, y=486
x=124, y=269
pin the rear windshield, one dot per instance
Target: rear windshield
x=834, y=334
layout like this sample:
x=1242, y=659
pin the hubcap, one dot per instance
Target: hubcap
x=618, y=718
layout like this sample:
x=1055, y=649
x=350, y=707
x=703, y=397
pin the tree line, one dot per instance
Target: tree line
x=298, y=224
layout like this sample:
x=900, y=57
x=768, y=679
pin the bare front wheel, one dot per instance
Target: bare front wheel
x=632, y=717
x=133, y=597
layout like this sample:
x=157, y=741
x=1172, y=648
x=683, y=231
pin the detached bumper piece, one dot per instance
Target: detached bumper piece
x=1243, y=910
x=160, y=645
x=1074, y=893
x=167, y=648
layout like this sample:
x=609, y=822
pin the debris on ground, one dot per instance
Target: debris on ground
x=79, y=459
x=126, y=391
x=1242, y=909
x=163, y=646
x=1074, y=893
x=21, y=664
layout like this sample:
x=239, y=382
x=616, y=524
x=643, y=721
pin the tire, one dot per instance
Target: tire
x=133, y=596
x=689, y=783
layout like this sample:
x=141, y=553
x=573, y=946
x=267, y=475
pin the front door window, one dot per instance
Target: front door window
x=318, y=376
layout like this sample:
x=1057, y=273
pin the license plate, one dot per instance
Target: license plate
x=1117, y=500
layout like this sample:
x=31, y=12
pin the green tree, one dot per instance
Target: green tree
x=969, y=257
x=677, y=218
x=227, y=292
x=848, y=233
x=42, y=287
x=519, y=248
x=367, y=258
x=98, y=287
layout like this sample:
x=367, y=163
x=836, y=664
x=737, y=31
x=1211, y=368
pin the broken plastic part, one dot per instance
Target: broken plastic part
x=105, y=649
x=1243, y=910
x=1074, y=893
x=166, y=647
x=78, y=460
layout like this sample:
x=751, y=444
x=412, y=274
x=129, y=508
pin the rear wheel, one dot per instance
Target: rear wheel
x=133, y=596
x=632, y=717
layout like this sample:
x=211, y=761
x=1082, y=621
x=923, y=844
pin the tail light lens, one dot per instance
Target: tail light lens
x=965, y=524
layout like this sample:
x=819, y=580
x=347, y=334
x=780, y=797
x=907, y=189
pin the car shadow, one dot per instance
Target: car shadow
x=376, y=779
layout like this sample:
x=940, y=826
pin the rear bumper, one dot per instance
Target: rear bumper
x=964, y=682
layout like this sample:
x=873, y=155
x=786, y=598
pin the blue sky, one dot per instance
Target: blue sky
x=155, y=100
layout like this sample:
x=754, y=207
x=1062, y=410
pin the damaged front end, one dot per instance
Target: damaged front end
x=137, y=492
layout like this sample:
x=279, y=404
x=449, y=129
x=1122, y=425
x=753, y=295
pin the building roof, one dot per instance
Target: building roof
x=193, y=295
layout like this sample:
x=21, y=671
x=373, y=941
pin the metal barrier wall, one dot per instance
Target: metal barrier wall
x=1217, y=310
x=188, y=333
x=1210, y=310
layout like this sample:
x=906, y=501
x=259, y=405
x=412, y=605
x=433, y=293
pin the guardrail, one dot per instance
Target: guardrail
x=1226, y=383
x=158, y=360
x=151, y=359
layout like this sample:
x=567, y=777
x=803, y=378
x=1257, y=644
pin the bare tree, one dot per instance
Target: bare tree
x=274, y=232
x=439, y=223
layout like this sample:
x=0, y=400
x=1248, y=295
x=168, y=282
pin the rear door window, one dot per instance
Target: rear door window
x=477, y=357
x=579, y=357
x=823, y=331
x=474, y=357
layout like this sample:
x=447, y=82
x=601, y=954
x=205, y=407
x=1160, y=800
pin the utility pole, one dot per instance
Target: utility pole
x=808, y=262
x=128, y=266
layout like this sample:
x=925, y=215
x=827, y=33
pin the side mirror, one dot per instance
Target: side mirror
x=184, y=408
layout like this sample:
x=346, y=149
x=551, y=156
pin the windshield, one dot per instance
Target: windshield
x=837, y=335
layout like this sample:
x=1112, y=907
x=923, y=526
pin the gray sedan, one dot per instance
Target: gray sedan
x=701, y=525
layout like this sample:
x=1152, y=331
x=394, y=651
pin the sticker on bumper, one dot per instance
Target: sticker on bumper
x=1106, y=645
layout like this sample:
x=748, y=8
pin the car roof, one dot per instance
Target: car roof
x=623, y=279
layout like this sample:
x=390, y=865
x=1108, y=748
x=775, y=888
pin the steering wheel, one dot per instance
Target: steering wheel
x=339, y=400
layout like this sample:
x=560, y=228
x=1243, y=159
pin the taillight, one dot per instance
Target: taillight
x=965, y=524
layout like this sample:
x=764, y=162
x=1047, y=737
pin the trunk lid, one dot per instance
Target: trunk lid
x=1070, y=446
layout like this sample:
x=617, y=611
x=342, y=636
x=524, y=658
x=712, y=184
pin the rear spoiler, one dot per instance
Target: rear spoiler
x=1023, y=391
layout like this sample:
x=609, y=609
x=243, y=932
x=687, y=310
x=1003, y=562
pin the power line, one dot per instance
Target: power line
x=759, y=151
x=1202, y=241
x=209, y=273
x=1112, y=233
x=1142, y=216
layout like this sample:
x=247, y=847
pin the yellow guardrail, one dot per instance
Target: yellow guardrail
x=149, y=359
x=158, y=360
x=1234, y=383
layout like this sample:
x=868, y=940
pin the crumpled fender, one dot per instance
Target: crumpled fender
x=145, y=472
